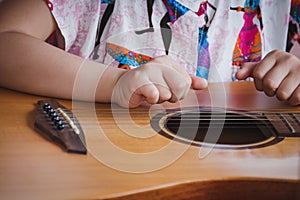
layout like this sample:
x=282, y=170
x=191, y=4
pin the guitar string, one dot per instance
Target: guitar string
x=212, y=124
x=234, y=115
x=176, y=126
x=264, y=125
x=195, y=116
x=234, y=112
x=190, y=124
x=183, y=109
x=244, y=116
x=238, y=121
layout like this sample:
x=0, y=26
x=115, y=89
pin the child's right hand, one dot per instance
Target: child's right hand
x=157, y=81
x=278, y=74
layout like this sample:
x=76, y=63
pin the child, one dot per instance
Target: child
x=191, y=34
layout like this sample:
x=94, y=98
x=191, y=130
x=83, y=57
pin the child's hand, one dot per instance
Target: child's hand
x=157, y=81
x=277, y=74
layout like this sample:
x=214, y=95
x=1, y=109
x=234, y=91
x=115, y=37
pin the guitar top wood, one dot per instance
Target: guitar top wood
x=127, y=159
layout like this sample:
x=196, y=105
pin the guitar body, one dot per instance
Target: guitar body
x=128, y=159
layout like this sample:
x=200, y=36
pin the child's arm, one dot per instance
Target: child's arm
x=277, y=74
x=29, y=64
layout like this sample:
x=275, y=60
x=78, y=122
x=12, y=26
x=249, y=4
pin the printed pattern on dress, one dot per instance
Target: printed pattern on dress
x=126, y=57
x=203, y=63
x=188, y=32
x=294, y=26
x=248, y=46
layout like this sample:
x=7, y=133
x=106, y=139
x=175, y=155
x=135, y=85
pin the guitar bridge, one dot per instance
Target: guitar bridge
x=59, y=125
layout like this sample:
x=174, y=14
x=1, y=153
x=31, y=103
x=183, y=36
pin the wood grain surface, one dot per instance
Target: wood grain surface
x=126, y=160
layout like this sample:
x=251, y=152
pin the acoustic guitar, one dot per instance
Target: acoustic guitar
x=226, y=142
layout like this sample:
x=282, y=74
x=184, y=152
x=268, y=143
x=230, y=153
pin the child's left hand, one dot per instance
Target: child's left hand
x=277, y=74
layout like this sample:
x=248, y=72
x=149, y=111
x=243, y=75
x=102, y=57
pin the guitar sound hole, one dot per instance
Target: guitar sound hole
x=236, y=130
x=230, y=130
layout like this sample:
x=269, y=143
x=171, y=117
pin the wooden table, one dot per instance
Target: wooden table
x=31, y=167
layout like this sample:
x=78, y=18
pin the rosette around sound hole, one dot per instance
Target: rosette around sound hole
x=223, y=128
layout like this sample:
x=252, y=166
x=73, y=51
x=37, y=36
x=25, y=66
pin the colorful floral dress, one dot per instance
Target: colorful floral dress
x=209, y=38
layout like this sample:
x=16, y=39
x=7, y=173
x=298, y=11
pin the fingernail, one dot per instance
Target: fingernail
x=205, y=82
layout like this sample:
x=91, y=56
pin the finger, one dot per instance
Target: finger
x=135, y=100
x=287, y=87
x=182, y=71
x=246, y=70
x=149, y=93
x=174, y=77
x=262, y=68
x=169, y=62
x=164, y=93
x=295, y=98
x=274, y=78
x=177, y=84
x=198, y=83
x=179, y=91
